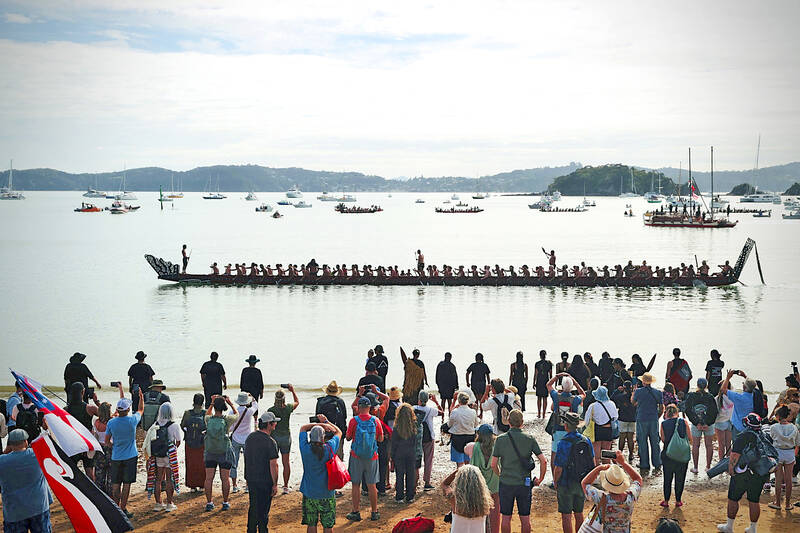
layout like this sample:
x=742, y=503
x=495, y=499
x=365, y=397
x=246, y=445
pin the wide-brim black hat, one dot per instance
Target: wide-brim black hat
x=252, y=359
x=140, y=355
x=77, y=357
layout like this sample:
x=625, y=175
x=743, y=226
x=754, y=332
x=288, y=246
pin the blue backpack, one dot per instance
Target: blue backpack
x=364, y=445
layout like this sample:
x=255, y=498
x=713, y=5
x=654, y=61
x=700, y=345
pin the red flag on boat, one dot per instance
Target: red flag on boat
x=89, y=509
x=72, y=436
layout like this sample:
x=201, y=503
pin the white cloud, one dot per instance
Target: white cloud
x=404, y=89
x=16, y=18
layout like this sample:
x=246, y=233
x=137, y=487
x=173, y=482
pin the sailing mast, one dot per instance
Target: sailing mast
x=755, y=170
x=712, y=183
x=691, y=196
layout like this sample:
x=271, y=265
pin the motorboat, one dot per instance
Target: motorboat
x=264, y=208
x=794, y=215
x=301, y=204
x=118, y=207
x=214, y=196
x=478, y=196
x=763, y=213
x=455, y=197
x=589, y=203
x=8, y=192
x=284, y=202
x=118, y=210
x=251, y=197
x=419, y=201
x=87, y=208
x=792, y=203
x=276, y=215
x=760, y=198
x=652, y=198
x=294, y=192
x=325, y=197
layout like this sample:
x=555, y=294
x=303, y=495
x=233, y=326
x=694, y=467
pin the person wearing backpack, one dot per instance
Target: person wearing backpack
x=701, y=410
x=121, y=436
x=334, y=409
x=217, y=448
x=678, y=372
x=319, y=503
x=742, y=478
x=14, y=400
x=364, y=431
x=193, y=424
x=573, y=461
x=140, y=376
x=499, y=403
x=153, y=399
x=163, y=435
x=606, y=421
x=26, y=416
x=512, y=460
x=677, y=437
x=563, y=402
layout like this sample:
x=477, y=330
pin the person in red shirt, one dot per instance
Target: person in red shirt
x=365, y=432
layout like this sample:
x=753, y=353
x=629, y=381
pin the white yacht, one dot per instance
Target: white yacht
x=8, y=193
x=325, y=197
x=294, y=192
x=455, y=197
x=760, y=198
x=94, y=193
x=302, y=204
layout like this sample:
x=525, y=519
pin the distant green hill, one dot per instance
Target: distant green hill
x=774, y=178
x=742, y=190
x=794, y=190
x=611, y=180
x=234, y=178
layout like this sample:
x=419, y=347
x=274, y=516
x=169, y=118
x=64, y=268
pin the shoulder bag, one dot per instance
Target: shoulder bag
x=594, y=520
x=338, y=476
x=614, y=422
x=528, y=463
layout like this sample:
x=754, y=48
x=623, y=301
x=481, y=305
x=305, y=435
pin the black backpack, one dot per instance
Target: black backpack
x=758, y=403
x=499, y=418
x=580, y=461
x=329, y=407
x=195, y=431
x=30, y=420
x=159, y=447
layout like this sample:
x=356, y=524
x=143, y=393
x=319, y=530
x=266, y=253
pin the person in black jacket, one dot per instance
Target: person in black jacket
x=334, y=410
x=701, y=410
x=251, y=380
x=606, y=368
x=627, y=417
x=446, y=380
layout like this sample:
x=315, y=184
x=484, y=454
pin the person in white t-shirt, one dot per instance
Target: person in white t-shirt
x=247, y=410
x=603, y=411
x=462, y=422
x=495, y=399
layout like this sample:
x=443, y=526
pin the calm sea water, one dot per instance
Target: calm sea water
x=78, y=282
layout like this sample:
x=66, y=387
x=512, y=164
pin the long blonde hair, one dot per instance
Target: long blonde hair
x=472, y=497
x=405, y=422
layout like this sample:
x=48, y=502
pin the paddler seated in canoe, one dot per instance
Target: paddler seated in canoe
x=395, y=273
x=619, y=272
x=279, y=269
x=725, y=270
x=606, y=273
x=460, y=273
x=326, y=270
x=214, y=268
x=690, y=272
x=576, y=271
x=591, y=273
x=487, y=272
x=498, y=271
x=228, y=270
x=473, y=271
x=254, y=269
x=448, y=271
x=539, y=271
x=524, y=271
x=266, y=271
x=703, y=270
x=629, y=269
x=683, y=270
x=511, y=271
x=354, y=272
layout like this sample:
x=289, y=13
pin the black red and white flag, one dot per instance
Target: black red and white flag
x=89, y=509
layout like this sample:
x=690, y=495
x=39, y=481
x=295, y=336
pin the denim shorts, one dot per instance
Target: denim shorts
x=708, y=432
x=723, y=426
x=786, y=457
x=458, y=457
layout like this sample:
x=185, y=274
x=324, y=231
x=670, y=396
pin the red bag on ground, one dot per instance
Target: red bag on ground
x=338, y=476
x=418, y=524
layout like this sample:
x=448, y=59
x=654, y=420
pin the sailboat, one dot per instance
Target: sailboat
x=172, y=193
x=653, y=197
x=587, y=203
x=213, y=195
x=94, y=193
x=251, y=196
x=632, y=193
x=756, y=197
x=8, y=193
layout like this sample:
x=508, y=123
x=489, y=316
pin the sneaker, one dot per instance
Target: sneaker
x=226, y=506
x=354, y=516
x=338, y=494
x=375, y=516
x=428, y=486
x=171, y=507
x=693, y=470
x=286, y=490
x=749, y=529
x=235, y=490
x=409, y=501
x=398, y=500
x=210, y=506
x=247, y=490
x=723, y=528
x=159, y=507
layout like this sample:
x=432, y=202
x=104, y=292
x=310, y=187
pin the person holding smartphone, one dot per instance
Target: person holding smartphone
x=283, y=437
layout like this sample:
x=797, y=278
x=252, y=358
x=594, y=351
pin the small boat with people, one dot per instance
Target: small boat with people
x=473, y=209
x=251, y=197
x=629, y=275
x=341, y=208
x=87, y=208
x=419, y=201
x=479, y=196
x=264, y=208
x=118, y=207
x=461, y=204
x=277, y=214
x=794, y=215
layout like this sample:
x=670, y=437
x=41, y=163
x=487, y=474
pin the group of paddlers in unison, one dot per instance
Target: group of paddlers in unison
x=629, y=271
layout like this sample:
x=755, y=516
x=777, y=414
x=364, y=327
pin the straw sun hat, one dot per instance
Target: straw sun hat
x=615, y=480
x=332, y=389
x=647, y=378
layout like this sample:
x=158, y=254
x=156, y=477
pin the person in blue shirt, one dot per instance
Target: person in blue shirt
x=319, y=503
x=121, y=437
x=13, y=401
x=568, y=489
x=563, y=402
x=649, y=406
x=742, y=401
x=26, y=499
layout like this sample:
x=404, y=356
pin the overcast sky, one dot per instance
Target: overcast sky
x=397, y=88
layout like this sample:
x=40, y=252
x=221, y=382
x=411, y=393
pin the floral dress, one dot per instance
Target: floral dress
x=617, y=515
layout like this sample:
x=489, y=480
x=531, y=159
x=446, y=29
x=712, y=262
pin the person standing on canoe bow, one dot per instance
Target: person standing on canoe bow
x=551, y=257
x=185, y=258
x=420, y=263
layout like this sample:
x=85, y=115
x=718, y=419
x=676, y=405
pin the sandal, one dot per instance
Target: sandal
x=664, y=503
x=789, y=507
x=775, y=506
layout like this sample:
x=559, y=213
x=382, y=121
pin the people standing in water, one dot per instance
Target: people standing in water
x=542, y=372
x=446, y=380
x=518, y=377
x=479, y=371
x=415, y=376
x=679, y=373
x=184, y=258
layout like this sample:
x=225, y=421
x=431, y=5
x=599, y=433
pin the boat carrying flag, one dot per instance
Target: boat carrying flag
x=71, y=435
x=89, y=509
